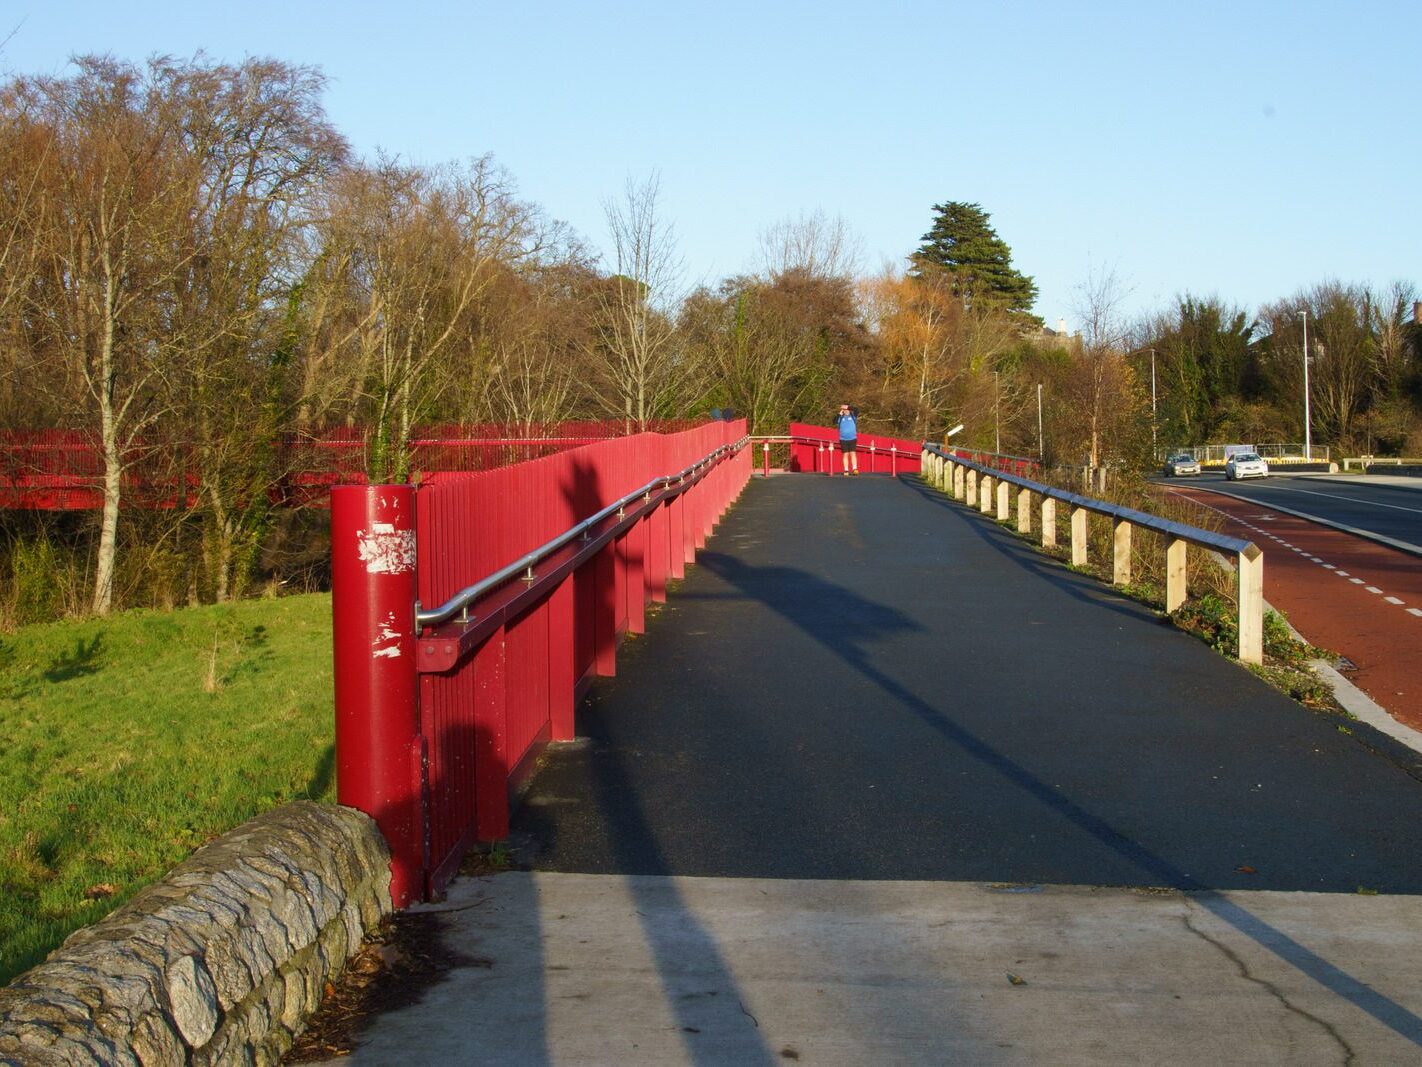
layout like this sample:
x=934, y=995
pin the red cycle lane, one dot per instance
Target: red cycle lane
x=1346, y=594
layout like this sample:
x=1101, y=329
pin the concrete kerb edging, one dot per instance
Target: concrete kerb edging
x=221, y=961
x=1350, y=698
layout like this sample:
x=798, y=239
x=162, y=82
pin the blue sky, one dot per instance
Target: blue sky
x=1244, y=149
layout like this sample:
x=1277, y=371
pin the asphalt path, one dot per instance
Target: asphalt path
x=1386, y=509
x=861, y=679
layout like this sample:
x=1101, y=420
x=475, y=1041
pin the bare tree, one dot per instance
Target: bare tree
x=115, y=224
x=534, y=344
x=812, y=244
x=641, y=366
x=258, y=144
x=1340, y=353
x=1101, y=388
x=406, y=255
x=24, y=160
x=1391, y=317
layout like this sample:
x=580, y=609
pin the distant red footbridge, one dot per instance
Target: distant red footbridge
x=63, y=470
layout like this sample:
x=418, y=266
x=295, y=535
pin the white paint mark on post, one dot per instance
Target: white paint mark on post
x=1392, y=600
x=388, y=633
x=386, y=550
x=1415, y=611
x=1374, y=589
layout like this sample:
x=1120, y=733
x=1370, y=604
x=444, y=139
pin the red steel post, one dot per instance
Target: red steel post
x=379, y=752
x=605, y=611
x=562, y=669
x=765, y=452
x=657, y=553
x=676, y=536
x=636, y=546
x=492, y=762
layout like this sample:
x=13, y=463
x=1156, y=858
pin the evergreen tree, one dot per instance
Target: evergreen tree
x=963, y=245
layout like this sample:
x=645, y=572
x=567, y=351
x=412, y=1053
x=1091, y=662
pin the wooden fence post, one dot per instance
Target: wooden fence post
x=1175, y=573
x=1079, y=534
x=1121, y=554
x=1251, y=605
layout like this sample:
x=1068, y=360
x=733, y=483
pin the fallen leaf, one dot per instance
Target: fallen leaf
x=100, y=891
x=1016, y=979
x=1244, y=868
x=1364, y=891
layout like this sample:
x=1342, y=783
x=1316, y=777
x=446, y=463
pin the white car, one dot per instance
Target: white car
x=1245, y=465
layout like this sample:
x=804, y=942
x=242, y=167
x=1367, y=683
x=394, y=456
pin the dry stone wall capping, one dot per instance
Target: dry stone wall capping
x=219, y=962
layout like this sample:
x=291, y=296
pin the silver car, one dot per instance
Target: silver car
x=1245, y=465
x=1180, y=463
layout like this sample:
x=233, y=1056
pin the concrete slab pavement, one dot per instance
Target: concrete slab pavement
x=606, y=969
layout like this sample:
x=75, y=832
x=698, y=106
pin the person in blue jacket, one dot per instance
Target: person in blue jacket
x=848, y=422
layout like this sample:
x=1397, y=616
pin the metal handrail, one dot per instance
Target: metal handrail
x=1250, y=567
x=461, y=600
x=1207, y=538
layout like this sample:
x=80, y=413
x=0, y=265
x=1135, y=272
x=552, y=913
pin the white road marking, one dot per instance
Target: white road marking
x=1314, y=559
x=1346, y=499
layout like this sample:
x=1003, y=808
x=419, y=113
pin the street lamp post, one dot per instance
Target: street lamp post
x=997, y=413
x=1155, y=447
x=1041, y=452
x=1308, y=421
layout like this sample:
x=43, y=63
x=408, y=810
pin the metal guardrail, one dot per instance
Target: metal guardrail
x=823, y=451
x=986, y=488
x=1273, y=451
x=459, y=603
x=1364, y=462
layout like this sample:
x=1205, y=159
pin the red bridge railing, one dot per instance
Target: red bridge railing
x=63, y=470
x=471, y=613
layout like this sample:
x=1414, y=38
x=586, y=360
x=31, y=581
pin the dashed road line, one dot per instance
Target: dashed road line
x=1302, y=552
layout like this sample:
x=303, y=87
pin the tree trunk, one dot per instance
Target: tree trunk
x=113, y=464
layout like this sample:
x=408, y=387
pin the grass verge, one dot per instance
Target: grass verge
x=130, y=741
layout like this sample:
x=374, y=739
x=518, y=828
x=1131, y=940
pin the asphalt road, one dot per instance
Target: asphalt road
x=1389, y=509
x=861, y=679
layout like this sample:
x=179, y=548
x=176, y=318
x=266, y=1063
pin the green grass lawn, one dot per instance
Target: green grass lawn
x=125, y=743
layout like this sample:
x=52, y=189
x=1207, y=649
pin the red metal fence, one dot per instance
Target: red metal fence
x=815, y=449
x=63, y=470
x=433, y=727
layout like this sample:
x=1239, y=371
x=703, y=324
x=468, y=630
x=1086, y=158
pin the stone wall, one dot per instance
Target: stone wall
x=221, y=961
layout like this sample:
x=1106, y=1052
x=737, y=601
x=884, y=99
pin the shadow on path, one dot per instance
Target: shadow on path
x=772, y=586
